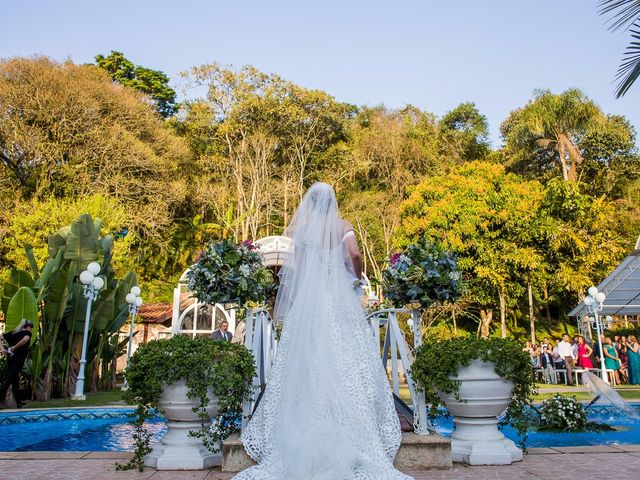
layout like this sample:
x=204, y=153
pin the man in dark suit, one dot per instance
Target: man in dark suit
x=223, y=332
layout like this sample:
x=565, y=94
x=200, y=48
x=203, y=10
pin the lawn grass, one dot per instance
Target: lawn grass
x=97, y=399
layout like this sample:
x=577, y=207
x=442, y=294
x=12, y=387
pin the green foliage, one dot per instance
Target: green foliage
x=22, y=306
x=205, y=365
x=423, y=273
x=625, y=14
x=152, y=82
x=437, y=361
x=465, y=131
x=226, y=272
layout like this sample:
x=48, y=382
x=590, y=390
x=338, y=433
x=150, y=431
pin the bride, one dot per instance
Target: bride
x=327, y=412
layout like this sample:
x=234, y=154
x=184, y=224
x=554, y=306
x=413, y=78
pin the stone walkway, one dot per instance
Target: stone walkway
x=567, y=463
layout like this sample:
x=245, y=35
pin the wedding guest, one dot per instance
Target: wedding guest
x=565, y=350
x=535, y=356
x=223, y=332
x=624, y=360
x=558, y=361
x=548, y=372
x=611, y=360
x=574, y=346
x=633, y=355
x=18, y=342
x=584, y=353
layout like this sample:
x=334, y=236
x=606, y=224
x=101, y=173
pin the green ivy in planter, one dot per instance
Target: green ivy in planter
x=436, y=360
x=227, y=368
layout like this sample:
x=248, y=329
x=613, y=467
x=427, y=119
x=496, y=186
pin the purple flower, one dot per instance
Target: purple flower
x=395, y=258
x=249, y=245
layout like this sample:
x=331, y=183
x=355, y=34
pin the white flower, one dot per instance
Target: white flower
x=245, y=270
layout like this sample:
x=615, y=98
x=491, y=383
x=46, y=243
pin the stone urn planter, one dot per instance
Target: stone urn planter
x=484, y=396
x=177, y=450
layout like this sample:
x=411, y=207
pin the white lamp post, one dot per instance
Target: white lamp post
x=92, y=285
x=594, y=302
x=135, y=302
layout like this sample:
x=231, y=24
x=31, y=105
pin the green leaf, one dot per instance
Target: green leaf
x=82, y=242
x=59, y=293
x=52, y=265
x=23, y=305
x=28, y=249
x=17, y=279
x=74, y=320
x=102, y=312
x=57, y=242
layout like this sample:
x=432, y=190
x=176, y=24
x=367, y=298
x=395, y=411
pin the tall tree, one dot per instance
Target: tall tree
x=544, y=134
x=464, y=133
x=152, y=82
x=484, y=215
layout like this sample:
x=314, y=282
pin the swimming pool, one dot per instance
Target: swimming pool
x=627, y=430
x=106, y=429
x=78, y=429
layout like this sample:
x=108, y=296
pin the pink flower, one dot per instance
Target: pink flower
x=395, y=258
x=248, y=244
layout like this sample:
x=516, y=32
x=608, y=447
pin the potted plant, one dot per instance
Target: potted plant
x=477, y=380
x=191, y=381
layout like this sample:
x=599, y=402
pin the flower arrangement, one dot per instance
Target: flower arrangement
x=226, y=272
x=423, y=273
x=563, y=414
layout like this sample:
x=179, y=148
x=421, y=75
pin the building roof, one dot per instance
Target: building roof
x=155, y=312
x=622, y=288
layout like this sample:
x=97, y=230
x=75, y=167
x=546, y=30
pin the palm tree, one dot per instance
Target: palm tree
x=625, y=14
x=554, y=123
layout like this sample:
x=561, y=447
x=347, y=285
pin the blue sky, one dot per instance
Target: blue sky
x=432, y=54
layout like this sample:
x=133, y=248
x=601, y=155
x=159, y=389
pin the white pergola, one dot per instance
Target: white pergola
x=622, y=288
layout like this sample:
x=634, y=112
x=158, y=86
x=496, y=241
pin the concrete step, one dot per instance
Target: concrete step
x=417, y=452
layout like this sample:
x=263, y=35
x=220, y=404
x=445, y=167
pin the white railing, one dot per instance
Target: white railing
x=260, y=339
x=395, y=345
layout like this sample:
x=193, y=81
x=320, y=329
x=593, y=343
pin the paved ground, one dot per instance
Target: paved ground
x=570, y=463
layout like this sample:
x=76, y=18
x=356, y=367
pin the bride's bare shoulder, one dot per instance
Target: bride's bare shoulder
x=346, y=226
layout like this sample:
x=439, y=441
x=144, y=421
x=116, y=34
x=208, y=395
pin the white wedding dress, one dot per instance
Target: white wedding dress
x=327, y=412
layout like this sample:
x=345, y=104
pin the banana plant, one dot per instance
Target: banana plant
x=58, y=297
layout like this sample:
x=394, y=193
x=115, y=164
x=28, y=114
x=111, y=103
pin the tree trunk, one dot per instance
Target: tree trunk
x=503, y=315
x=546, y=302
x=485, y=321
x=532, y=320
x=44, y=385
x=455, y=325
x=74, y=364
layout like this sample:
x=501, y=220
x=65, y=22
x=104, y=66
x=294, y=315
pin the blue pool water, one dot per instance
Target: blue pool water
x=106, y=429
x=627, y=430
x=98, y=429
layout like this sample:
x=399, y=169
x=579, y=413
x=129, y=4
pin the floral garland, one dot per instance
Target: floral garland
x=422, y=274
x=226, y=272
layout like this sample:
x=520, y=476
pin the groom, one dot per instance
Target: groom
x=223, y=333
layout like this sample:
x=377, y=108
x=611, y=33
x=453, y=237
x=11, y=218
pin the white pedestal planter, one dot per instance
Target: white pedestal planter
x=177, y=450
x=476, y=439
